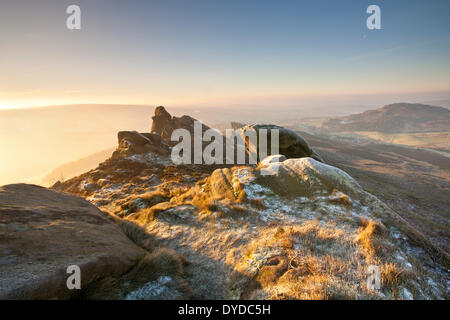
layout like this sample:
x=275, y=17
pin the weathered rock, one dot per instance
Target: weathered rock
x=221, y=184
x=43, y=232
x=133, y=137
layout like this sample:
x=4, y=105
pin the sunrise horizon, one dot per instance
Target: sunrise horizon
x=208, y=53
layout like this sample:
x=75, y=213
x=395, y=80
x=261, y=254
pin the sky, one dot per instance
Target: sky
x=218, y=52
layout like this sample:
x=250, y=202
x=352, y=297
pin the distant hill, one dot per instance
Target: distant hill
x=439, y=103
x=75, y=168
x=394, y=118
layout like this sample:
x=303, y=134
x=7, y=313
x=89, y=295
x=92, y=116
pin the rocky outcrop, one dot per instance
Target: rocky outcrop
x=43, y=232
x=291, y=144
x=164, y=124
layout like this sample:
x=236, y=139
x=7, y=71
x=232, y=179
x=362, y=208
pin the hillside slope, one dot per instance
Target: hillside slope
x=414, y=182
x=309, y=231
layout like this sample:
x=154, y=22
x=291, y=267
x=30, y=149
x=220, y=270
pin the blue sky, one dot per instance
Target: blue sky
x=188, y=52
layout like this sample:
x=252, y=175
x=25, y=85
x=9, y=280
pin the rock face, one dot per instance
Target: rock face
x=291, y=144
x=42, y=232
x=162, y=122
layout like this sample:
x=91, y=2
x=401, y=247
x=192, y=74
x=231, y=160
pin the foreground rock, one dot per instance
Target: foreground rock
x=43, y=232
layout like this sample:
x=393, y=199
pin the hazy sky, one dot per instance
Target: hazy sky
x=185, y=52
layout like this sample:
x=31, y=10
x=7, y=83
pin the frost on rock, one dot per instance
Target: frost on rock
x=306, y=176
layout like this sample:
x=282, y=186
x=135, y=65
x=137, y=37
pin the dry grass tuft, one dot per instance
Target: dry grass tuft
x=392, y=276
x=369, y=237
x=338, y=197
x=240, y=195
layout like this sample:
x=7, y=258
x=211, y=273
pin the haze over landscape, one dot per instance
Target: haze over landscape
x=364, y=120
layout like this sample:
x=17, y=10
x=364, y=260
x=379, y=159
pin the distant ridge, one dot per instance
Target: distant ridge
x=77, y=167
x=395, y=118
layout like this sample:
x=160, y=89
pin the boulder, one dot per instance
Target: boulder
x=291, y=144
x=221, y=184
x=307, y=177
x=43, y=232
